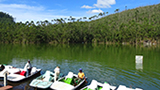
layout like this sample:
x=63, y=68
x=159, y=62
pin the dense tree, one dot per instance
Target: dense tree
x=133, y=26
x=6, y=18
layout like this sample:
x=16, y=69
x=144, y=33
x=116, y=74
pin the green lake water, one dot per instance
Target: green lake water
x=114, y=64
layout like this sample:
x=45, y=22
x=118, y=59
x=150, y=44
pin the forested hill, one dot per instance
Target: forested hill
x=131, y=26
x=6, y=18
x=134, y=26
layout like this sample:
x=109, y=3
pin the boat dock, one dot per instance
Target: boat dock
x=6, y=87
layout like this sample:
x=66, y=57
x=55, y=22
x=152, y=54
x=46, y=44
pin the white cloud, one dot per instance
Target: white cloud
x=22, y=12
x=36, y=17
x=20, y=6
x=101, y=4
x=104, y=3
x=95, y=11
x=87, y=7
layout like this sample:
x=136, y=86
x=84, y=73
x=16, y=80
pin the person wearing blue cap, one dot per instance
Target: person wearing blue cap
x=81, y=76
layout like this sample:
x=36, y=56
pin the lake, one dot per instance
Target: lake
x=114, y=64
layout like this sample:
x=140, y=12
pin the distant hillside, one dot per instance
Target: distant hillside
x=133, y=26
x=6, y=18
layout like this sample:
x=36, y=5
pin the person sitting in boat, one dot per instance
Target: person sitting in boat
x=2, y=67
x=57, y=72
x=28, y=68
x=81, y=76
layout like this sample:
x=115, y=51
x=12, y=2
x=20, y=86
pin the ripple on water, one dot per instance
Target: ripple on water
x=134, y=79
x=101, y=73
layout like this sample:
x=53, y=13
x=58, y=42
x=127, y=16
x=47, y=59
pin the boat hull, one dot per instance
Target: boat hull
x=98, y=86
x=18, y=78
x=10, y=70
x=42, y=83
x=61, y=85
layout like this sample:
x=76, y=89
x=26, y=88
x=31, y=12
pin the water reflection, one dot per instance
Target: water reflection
x=111, y=63
x=139, y=66
x=139, y=62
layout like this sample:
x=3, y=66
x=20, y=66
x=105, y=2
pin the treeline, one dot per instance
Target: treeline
x=6, y=18
x=131, y=26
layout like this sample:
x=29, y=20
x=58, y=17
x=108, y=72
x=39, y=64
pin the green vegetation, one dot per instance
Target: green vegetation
x=6, y=18
x=131, y=26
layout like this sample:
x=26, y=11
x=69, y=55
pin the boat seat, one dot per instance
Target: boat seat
x=138, y=89
x=68, y=78
x=34, y=69
x=122, y=87
x=106, y=86
x=93, y=85
x=23, y=73
x=68, y=81
x=70, y=75
x=47, y=76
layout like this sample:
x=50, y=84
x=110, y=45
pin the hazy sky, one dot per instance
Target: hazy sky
x=40, y=10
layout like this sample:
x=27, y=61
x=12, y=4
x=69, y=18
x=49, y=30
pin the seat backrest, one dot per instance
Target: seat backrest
x=47, y=76
x=70, y=75
x=93, y=85
x=122, y=87
x=106, y=86
x=34, y=69
x=23, y=73
x=138, y=89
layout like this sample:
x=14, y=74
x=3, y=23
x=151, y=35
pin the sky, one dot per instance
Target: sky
x=40, y=10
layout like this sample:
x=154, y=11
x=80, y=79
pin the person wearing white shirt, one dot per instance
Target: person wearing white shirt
x=28, y=68
x=57, y=72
